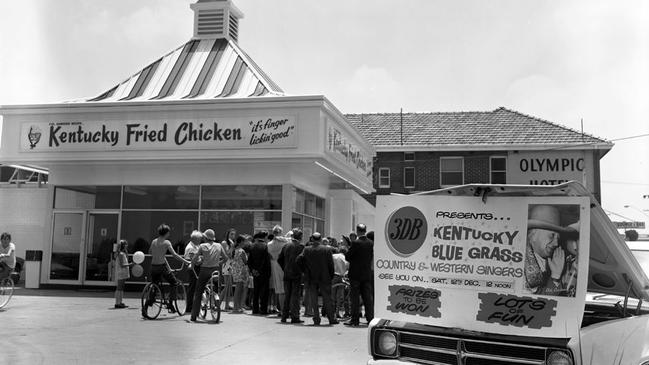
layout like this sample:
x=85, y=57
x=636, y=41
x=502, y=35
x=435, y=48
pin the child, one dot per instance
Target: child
x=239, y=273
x=122, y=272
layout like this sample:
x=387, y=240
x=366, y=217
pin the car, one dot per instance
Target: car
x=453, y=269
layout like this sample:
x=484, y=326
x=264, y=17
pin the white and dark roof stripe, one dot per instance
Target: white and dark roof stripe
x=200, y=69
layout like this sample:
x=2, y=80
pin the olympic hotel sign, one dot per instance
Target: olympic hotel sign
x=550, y=168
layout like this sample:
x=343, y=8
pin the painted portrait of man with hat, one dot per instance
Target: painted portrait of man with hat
x=548, y=259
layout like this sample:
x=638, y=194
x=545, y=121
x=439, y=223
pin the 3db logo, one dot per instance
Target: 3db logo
x=406, y=231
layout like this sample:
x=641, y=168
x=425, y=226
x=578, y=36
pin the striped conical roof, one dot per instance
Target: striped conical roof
x=200, y=69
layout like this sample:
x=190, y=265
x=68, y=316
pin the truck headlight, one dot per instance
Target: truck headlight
x=559, y=357
x=386, y=343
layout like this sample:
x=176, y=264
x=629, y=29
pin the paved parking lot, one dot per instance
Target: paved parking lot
x=81, y=327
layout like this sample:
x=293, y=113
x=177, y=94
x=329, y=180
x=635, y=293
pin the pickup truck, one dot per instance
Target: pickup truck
x=502, y=275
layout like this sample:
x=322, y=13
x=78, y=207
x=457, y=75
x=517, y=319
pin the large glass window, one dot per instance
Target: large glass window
x=451, y=171
x=242, y=197
x=299, y=200
x=243, y=221
x=498, y=167
x=87, y=197
x=161, y=197
x=309, y=213
x=141, y=227
x=142, y=208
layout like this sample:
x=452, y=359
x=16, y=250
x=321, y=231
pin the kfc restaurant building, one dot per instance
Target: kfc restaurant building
x=201, y=138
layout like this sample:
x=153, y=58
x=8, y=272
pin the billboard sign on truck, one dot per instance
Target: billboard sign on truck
x=509, y=265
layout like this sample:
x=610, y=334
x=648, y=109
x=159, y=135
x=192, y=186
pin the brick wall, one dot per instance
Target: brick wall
x=427, y=169
x=476, y=169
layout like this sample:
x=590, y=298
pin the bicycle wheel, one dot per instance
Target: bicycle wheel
x=151, y=301
x=215, y=307
x=6, y=291
x=181, y=299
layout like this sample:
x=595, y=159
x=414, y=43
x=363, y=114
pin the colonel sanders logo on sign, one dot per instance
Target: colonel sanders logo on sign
x=34, y=136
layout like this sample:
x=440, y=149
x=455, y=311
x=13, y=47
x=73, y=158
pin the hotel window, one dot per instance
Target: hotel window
x=451, y=171
x=384, y=177
x=498, y=170
x=408, y=156
x=409, y=177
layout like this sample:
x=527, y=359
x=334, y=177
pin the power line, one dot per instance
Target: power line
x=631, y=137
x=624, y=183
x=571, y=146
x=619, y=215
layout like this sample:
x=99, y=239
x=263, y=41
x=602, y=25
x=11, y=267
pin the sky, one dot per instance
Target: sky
x=569, y=62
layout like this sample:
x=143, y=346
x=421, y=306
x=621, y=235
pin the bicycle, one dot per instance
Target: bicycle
x=346, y=287
x=6, y=291
x=154, y=297
x=210, y=298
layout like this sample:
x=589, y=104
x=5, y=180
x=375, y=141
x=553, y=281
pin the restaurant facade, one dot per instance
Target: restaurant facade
x=201, y=138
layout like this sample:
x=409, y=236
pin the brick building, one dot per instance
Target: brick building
x=427, y=151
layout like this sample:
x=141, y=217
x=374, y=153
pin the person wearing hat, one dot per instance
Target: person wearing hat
x=317, y=264
x=361, y=275
x=292, y=277
x=545, y=259
x=210, y=256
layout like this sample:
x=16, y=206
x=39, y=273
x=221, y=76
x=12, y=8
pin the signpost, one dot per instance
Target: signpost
x=629, y=225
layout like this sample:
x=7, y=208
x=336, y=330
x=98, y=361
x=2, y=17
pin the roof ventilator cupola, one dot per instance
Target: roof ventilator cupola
x=216, y=19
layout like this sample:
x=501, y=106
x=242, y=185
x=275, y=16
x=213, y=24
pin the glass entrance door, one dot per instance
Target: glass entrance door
x=82, y=247
x=101, y=236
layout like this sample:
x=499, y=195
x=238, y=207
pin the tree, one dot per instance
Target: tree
x=631, y=235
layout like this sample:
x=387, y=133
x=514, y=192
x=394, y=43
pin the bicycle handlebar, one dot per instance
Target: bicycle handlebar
x=181, y=268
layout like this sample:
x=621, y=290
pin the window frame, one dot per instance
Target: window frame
x=405, y=184
x=491, y=170
x=405, y=156
x=382, y=169
x=441, y=170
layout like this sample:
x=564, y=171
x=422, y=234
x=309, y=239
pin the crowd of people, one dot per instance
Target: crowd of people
x=275, y=272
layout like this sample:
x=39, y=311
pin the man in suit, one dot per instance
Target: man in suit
x=317, y=263
x=292, y=277
x=259, y=265
x=361, y=275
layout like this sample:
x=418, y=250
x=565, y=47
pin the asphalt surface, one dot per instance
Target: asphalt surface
x=82, y=327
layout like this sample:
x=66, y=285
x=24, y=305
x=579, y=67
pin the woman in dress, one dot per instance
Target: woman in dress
x=122, y=267
x=228, y=248
x=239, y=269
x=276, y=273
